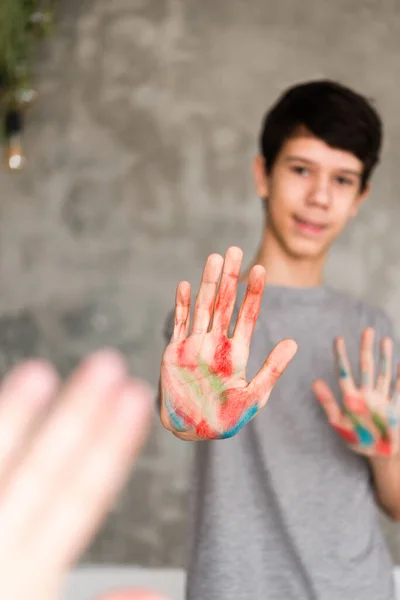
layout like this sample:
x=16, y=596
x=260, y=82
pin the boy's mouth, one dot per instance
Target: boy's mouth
x=311, y=227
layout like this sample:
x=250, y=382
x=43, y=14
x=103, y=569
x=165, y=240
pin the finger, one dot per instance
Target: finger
x=367, y=363
x=226, y=296
x=82, y=404
x=182, y=312
x=335, y=416
x=276, y=363
x=206, y=297
x=384, y=380
x=93, y=480
x=346, y=381
x=396, y=395
x=24, y=393
x=250, y=308
x=394, y=406
x=328, y=402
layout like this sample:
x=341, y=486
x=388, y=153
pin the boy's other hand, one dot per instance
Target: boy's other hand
x=370, y=417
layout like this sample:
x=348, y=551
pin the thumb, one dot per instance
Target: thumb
x=276, y=363
x=327, y=400
x=132, y=594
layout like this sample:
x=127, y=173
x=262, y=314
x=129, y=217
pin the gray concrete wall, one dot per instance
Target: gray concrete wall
x=139, y=150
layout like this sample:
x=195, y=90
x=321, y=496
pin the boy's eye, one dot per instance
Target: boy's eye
x=344, y=181
x=300, y=170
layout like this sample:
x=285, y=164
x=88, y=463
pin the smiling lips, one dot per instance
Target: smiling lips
x=309, y=227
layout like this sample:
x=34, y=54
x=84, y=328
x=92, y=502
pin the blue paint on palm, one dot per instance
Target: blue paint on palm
x=247, y=416
x=365, y=436
x=176, y=421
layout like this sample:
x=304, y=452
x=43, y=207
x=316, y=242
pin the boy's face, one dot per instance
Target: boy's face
x=313, y=190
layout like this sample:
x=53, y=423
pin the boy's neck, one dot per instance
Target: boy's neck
x=283, y=269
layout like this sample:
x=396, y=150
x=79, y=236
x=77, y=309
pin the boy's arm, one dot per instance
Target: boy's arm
x=386, y=478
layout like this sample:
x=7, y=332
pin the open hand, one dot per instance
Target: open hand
x=369, y=420
x=65, y=452
x=204, y=391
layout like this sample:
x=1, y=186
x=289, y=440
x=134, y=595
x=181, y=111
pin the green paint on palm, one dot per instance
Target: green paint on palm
x=190, y=380
x=216, y=382
x=352, y=418
x=380, y=423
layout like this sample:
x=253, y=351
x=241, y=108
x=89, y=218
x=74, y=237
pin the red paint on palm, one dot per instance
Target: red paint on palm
x=181, y=353
x=223, y=304
x=384, y=447
x=222, y=363
x=357, y=405
x=253, y=310
x=232, y=408
x=187, y=418
x=204, y=431
x=184, y=360
x=350, y=436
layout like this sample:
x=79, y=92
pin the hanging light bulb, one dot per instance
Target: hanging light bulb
x=13, y=128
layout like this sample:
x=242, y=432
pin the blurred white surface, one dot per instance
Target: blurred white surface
x=86, y=583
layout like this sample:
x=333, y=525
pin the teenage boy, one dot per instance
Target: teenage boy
x=285, y=507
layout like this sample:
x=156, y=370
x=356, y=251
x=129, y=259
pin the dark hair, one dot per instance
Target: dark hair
x=332, y=112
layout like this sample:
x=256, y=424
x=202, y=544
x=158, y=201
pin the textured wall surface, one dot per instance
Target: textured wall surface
x=140, y=149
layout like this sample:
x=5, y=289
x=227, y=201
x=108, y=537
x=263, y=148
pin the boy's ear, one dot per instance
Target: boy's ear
x=360, y=199
x=260, y=177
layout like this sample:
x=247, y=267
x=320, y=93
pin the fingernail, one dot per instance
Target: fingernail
x=105, y=363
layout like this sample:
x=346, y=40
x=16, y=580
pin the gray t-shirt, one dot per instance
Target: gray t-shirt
x=284, y=510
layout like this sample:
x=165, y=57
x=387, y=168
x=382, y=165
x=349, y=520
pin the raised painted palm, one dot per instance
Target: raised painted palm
x=369, y=419
x=204, y=391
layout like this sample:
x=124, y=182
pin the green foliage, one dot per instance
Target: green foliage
x=15, y=36
x=22, y=23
